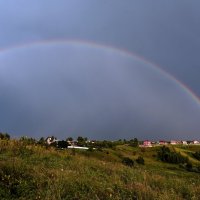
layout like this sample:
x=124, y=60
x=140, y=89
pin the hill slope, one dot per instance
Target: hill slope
x=39, y=172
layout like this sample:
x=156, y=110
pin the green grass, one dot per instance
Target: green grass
x=36, y=172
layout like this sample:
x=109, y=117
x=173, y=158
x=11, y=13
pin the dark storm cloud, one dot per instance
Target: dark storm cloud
x=81, y=90
x=166, y=32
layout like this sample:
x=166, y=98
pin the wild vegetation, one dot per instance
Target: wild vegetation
x=29, y=169
x=197, y=155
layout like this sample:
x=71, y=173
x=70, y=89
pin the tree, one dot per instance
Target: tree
x=27, y=141
x=41, y=141
x=4, y=136
x=166, y=155
x=81, y=141
x=62, y=144
x=140, y=160
x=197, y=155
x=7, y=136
x=189, y=166
x=127, y=161
x=69, y=139
x=134, y=142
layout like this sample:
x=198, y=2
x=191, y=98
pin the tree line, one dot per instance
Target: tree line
x=79, y=141
x=4, y=136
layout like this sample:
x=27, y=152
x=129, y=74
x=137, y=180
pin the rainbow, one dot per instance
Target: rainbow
x=121, y=51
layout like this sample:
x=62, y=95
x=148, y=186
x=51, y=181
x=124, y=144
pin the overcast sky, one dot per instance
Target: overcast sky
x=164, y=32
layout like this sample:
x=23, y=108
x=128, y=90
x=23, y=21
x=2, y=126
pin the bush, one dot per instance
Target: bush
x=197, y=155
x=128, y=162
x=16, y=181
x=189, y=166
x=171, y=157
x=140, y=160
x=90, y=149
x=62, y=144
x=134, y=142
x=28, y=141
x=4, y=136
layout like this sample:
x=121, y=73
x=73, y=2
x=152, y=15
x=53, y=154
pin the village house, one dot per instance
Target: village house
x=173, y=142
x=195, y=142
x=184, y=142
x=50, y=140
x=72, y=143
x=147, y=143
x=161, y=142
x=77, y=147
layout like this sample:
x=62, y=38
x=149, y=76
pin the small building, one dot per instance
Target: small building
x=147, y=143
x=195, y=142
x=72, y=143
x=173, y=142
x=184, y=142
x=77, y=147
x=50, y=140
x=162, y=142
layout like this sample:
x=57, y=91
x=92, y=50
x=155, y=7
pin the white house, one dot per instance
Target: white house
x=196, y=142
x=184, y=142
x=77, y=147
x=51, y=140
x=173, y=142
x=162, y=142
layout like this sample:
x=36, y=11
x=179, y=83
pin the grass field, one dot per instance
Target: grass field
x=39, y=172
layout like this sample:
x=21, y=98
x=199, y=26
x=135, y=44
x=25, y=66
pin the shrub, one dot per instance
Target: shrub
x=134, y=142
x=16, y=181
x=62, y=144
x=128, y=162
x=25, y=152
x=189, y=166
x=197, y=155
x=4, y=136
x=42, y=141
x=28, y=141
x=171, y=157
x=90, y=149
x=140, y=160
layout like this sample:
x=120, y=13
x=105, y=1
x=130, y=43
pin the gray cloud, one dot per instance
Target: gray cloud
x=166, y=32
x=78, y=89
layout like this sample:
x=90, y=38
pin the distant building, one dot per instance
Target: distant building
x=72, y=143
x=196, y=142
x=147, y=143
x=161, y=142
x=77, y=147
x=50, y=140
x=173, y=142
x=184, y=142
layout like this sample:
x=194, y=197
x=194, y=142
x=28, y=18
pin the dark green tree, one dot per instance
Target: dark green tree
x=62, y=144
x=81, y=141
x=166, y=155
x=69, y=139
x=4, y=136
x=128, y=162
x=27, y=140
x=42, y=141
x=140, y=160
x=197, y=155
x=134, y=142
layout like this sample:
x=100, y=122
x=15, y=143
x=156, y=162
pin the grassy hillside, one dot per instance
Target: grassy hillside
x=39, y=172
